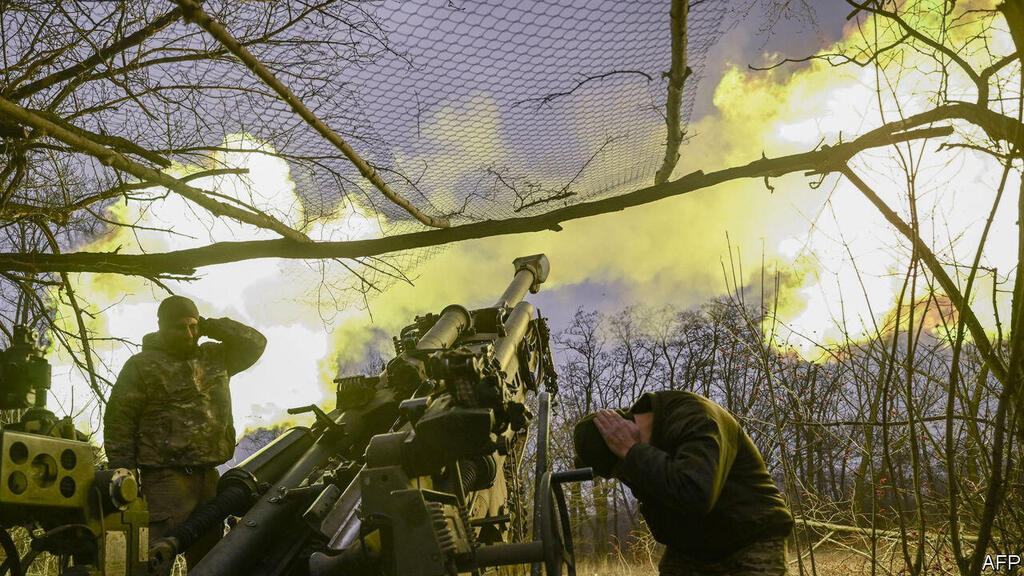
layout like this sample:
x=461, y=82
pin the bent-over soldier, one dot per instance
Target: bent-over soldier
x=169, y=413
x=702, y=485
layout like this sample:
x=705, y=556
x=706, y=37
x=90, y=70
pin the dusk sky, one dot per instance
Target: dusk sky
x=671, y=252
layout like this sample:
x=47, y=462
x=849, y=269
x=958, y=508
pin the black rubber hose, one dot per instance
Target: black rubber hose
x=12, y=563
x=477, y=473
x=231, y=501
x=40, y=543
x=469, y=471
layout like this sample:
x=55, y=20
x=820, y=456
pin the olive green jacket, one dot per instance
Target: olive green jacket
x=170, y=409
x=702, y=485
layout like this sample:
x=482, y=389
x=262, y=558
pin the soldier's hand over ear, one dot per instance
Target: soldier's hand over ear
x=619, y=434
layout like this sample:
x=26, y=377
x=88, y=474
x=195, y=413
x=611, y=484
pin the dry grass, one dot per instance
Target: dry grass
x=828, y=561
x=836, y=559
x=616, y=568
x=833, y=562
x=49, y=565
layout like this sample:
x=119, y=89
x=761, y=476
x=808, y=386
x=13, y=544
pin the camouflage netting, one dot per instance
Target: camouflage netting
x=503, y=110
x=470, y=110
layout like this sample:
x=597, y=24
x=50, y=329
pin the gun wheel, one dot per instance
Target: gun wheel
x=555, y=530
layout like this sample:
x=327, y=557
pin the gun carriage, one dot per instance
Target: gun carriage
x=92, y=520
x=407, y=475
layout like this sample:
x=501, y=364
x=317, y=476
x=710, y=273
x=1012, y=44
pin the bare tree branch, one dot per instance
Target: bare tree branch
x=194, y=13
x=97, y=58
x=83, y=333
x=678, y=72
x=547, y=99
x=117, y=160
x=996, y=364
x=185, y=262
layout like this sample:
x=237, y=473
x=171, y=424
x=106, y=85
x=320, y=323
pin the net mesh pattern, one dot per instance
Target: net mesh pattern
x=470, y=110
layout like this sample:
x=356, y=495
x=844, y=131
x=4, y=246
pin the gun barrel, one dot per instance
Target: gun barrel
x=235, y=553
x=343, y=521
x=454, y=319
x=515, y=328
x=516, y=290
x=531, y=272
x=239, y=487
x=269, y=463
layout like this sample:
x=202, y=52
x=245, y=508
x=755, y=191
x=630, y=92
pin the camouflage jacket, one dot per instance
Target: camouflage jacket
x=169, y=409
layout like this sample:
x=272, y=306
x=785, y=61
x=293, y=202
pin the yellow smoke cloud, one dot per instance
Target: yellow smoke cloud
x=860, y=262
x=844, y=264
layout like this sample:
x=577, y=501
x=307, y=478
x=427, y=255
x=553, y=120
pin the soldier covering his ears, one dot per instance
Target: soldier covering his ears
x=169, y=413
x=702, y=485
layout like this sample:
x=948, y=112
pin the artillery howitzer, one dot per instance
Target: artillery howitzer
x=406, y=476
x=50, y=485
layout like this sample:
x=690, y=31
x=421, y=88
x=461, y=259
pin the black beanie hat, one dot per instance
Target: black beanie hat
x=591, y=449
x=175, y=307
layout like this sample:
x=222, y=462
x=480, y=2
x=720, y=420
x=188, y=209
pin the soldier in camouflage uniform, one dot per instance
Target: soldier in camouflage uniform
x=702, y=485
x=169, y=413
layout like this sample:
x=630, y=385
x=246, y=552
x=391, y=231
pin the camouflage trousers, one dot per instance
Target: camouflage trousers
x=765, y=558
x=172, y=494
